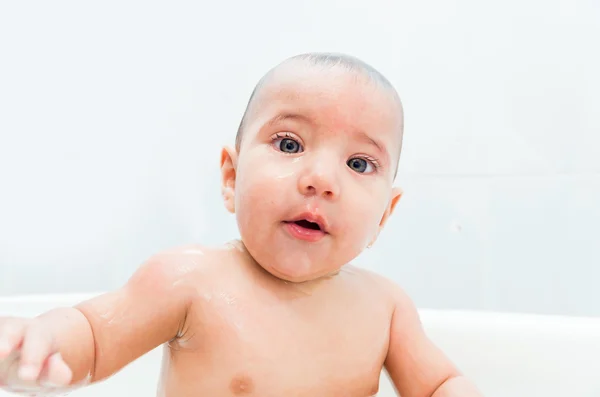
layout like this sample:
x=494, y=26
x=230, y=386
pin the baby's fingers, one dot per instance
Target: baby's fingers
x=55, y=372
x=37, y=346
x=11, y=335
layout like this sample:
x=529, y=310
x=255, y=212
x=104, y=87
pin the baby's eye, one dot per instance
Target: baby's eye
x=359, y=165
x=288, y=145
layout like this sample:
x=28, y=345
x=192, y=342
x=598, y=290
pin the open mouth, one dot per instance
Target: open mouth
x=307, y=225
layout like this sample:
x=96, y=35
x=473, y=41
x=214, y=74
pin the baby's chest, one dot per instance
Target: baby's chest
x=285, y=331
x=252, y=346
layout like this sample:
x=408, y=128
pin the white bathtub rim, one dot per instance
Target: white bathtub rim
x=477, y=315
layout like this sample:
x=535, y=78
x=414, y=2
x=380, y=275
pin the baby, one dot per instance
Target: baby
x=281, y=312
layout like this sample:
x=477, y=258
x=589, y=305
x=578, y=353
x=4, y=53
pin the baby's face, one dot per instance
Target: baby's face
x=313, y=178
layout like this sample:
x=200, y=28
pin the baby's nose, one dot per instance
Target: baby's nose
x=320, y=180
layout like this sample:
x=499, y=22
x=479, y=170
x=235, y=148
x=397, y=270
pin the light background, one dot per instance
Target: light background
x=112, y=115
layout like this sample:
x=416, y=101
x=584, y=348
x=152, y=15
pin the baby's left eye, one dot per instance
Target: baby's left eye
x=289, y=146
x=359, y=165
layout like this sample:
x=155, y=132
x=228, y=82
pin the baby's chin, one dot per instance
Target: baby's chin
x=290, y=263
x=298, y=274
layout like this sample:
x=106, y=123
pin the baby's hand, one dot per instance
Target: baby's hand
x=29, y=359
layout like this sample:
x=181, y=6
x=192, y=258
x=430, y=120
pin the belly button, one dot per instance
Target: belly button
x=241, y=384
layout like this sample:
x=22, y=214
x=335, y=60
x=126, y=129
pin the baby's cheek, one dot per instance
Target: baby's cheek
x=365, y=224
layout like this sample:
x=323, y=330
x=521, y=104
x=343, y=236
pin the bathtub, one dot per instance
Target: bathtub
x=506, y=354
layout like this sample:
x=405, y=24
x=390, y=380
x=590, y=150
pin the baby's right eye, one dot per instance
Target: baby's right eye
x=287, y=145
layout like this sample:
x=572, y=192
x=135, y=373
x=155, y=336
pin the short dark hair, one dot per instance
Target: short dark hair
x=325, y=59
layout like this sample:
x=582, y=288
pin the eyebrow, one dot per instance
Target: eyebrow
x=365, y=137
x=289, y=116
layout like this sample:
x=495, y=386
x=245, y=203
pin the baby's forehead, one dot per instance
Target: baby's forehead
x=296, y=78
x=328, y=96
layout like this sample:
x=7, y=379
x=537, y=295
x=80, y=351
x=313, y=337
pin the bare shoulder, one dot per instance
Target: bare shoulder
x=176, y=275
x=385, y=289
x=183, y=266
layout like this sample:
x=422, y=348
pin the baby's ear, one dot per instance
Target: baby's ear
x=228, y=166
x=394, y=198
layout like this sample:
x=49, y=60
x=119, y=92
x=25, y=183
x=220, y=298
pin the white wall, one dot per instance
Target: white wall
x=112, y=115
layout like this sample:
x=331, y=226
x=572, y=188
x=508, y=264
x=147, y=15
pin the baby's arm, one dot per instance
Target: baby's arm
x=147, y=312
x=416, y=366
x=98, y=337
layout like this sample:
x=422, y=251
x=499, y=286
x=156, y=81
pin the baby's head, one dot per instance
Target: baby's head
x=311, y=176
